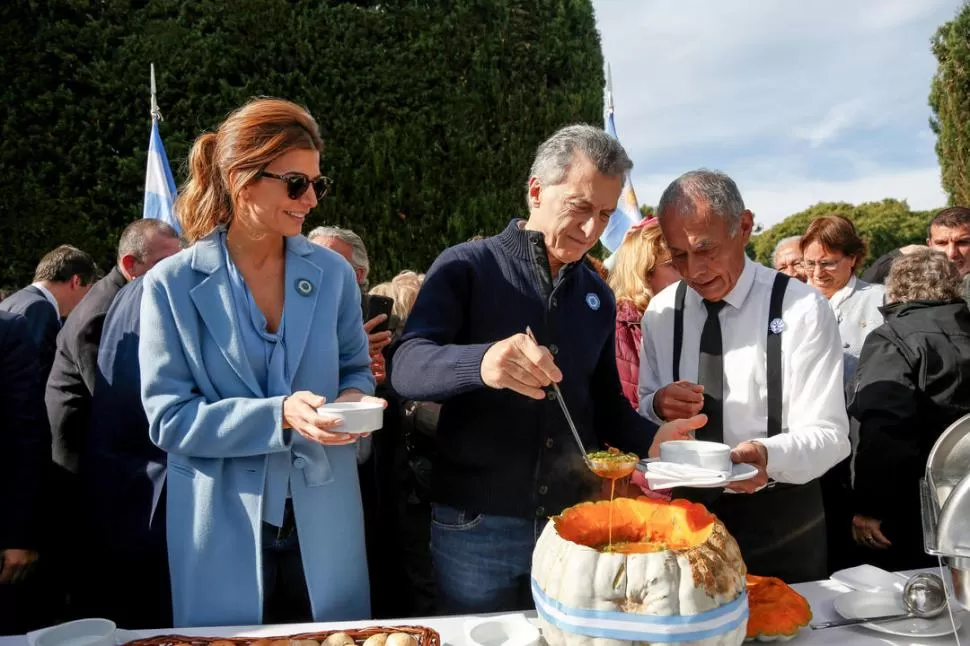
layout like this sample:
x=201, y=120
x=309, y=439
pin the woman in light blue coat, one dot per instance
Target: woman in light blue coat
x=243, y=336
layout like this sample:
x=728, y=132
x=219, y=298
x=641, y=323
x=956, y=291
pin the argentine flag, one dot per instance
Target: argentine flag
x=159, y=183
x=627, y=211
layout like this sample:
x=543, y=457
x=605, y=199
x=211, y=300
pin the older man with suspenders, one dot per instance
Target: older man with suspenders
x=761, y=356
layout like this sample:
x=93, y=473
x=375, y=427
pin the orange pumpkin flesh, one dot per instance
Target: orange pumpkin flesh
x=774, y=608
x=639, y=525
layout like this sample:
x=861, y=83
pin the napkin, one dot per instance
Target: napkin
x=667, y=475
x=868, y=578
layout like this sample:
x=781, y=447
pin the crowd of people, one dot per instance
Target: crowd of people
x=167, y=462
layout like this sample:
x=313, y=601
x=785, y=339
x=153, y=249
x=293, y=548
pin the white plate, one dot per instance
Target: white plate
x=739, y=472
x=869, y=578
x=359, y=417
x=858, y=604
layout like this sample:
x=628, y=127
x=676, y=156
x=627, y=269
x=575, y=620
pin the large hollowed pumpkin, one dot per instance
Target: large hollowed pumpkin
x=673, y=576
x=776, y=611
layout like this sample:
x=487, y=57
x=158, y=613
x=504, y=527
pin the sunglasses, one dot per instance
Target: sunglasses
x=298, y=183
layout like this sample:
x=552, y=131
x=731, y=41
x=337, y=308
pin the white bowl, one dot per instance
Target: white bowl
x=358, y=417
x=83, y=632
x=509, y=630
x=708, y=455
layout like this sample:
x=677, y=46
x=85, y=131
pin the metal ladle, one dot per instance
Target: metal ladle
x=924, y=597
x=565, y=411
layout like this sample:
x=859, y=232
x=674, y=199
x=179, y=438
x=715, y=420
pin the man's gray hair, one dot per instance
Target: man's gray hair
x=783, y=243
x=358, y=251
x=703, y=187
x=924, y=275
x=134, y=239
x=555, y=155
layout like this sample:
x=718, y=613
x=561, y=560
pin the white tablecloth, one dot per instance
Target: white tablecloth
x=818, y=593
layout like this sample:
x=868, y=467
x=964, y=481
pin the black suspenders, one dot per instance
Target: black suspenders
x=775, y=327
x=774, y=331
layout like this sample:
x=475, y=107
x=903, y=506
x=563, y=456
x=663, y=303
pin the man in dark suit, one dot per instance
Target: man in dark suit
x=71, y=383
x=123, y=478
x=61, y=280
x=24, y=441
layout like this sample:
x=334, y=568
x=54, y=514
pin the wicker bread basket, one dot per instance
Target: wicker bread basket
x=424, y=636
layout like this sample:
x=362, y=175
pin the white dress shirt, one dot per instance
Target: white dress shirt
x=815, y=427
x=856, y=307
x=50, y=298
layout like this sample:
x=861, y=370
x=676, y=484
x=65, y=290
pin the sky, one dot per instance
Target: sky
x=800, y=102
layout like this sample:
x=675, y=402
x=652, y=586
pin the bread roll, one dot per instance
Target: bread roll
x=339, y=639
x=376, y=640
x=401, y=639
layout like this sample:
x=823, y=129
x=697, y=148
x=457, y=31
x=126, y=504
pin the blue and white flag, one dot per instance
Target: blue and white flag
x=627, y=211
x=159, y=183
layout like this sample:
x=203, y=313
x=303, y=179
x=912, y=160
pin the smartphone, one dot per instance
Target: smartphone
x=379, y=305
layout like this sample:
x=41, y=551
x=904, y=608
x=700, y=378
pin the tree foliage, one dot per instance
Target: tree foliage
x=884, y=225
x=431, y=110
x=950, y=101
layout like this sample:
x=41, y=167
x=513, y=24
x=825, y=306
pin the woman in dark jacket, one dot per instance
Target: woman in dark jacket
x=913, y=381
x=641, y=270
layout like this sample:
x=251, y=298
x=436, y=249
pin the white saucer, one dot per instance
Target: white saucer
x=857, y=604
x=739, y=472
x=505, y=630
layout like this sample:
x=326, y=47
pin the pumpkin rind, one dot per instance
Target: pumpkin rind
x=776, y=611
x=703, y=572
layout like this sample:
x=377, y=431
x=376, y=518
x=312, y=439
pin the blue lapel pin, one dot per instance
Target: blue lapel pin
x=593, y=301
x=304, y=287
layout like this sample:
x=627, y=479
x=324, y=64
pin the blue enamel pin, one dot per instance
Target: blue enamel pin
x=304, y=287
x=593, y=301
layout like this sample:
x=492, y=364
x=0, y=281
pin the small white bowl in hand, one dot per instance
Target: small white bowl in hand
x=358, y=417
x=697, y=453
x=506, y=630
x=83, y=632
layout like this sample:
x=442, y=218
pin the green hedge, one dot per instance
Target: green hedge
x=431, y=110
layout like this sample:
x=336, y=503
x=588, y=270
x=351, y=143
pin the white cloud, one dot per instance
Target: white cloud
x=799, y=102
x=840, y=117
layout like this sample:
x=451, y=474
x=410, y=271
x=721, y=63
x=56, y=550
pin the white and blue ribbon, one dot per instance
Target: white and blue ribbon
x=642, y=628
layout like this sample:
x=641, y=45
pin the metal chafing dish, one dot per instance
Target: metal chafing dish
x=945, y=502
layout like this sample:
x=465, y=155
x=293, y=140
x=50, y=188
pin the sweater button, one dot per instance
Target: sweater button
x=549, y=443
x=299, y=463
x=543, y=490
x=551, y=395
x=541, y=511
x=554, y=349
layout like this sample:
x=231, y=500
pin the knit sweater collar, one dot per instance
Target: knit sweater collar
x=519, y=241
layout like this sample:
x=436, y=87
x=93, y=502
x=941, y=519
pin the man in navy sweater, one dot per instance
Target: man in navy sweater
x=506, y=459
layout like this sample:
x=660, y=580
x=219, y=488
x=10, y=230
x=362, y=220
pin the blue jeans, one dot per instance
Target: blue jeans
x=482, y=563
